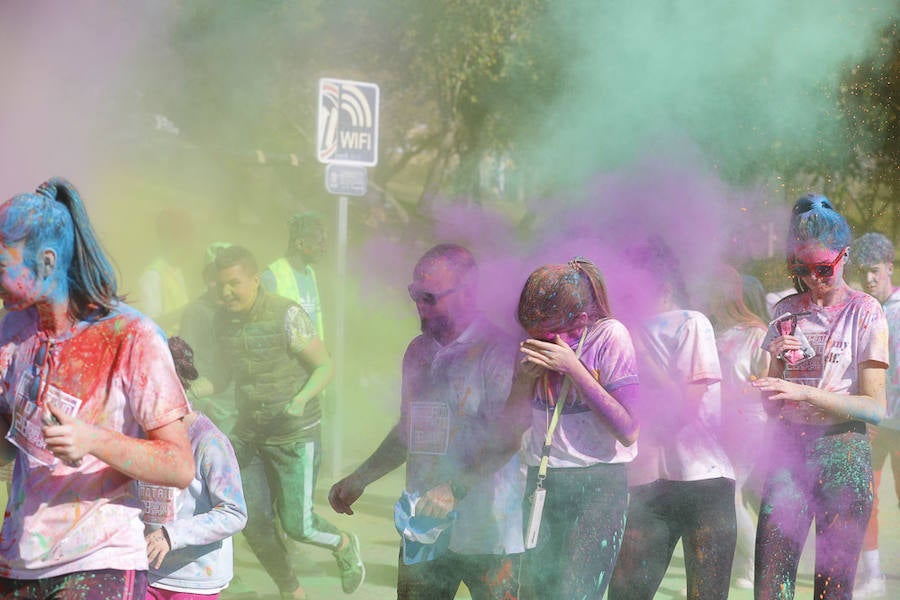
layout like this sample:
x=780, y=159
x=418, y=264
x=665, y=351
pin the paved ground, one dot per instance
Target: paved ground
x=373, y=522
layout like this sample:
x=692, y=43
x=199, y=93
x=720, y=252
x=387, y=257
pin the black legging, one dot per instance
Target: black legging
x=701, y=514
x=581, y=532
x=823, y=474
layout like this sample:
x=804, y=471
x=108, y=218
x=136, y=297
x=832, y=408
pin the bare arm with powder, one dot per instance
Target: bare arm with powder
x=164, y=458
x=309, y=350
x=316, y=358
x=613, y=409
x=869, y=405
x=389, y=455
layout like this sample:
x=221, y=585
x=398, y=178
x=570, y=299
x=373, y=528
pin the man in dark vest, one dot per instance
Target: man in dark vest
x=271, y=350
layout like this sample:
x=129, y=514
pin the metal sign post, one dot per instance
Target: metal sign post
x=347, y=142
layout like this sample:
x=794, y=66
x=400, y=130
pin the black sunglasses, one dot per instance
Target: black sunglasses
x=429, y=298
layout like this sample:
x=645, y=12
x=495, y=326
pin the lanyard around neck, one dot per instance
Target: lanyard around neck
x=554, y=420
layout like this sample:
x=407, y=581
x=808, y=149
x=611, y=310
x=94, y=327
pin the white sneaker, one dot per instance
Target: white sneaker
x=873, y=587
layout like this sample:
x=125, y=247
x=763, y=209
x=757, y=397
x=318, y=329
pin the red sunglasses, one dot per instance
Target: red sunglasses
x=822, y=269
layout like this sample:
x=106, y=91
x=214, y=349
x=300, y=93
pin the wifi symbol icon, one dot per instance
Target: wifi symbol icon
x=347, y=122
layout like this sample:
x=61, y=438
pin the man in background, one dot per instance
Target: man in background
x=872, y=256
x=163, y=293
x=292, y=276
x=269, y=346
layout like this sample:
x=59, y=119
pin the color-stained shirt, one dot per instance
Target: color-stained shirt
x=115, y=372
x=199, y=520
x=843, y=336
x=162, y=292
x=450, y=394
x=680, y=441
x=581, y=439
x=299, y=286
x=892, y=314
x=742, y=358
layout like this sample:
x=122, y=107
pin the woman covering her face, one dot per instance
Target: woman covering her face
x=580, y=361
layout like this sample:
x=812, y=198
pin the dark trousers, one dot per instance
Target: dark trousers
x=105, y=584
x=580, y=535
x=823, y=474
x=278, y=483
x=700, y=514
x=488, y=577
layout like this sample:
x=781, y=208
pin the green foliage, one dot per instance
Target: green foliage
x=560, y=90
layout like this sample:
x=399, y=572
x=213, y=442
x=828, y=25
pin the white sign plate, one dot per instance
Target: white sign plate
x=346, y=180
x=347, y=132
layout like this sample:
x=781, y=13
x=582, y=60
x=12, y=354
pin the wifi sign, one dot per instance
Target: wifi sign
x=348, y=123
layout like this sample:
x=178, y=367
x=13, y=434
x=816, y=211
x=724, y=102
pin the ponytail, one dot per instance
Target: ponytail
x=91, y=277
x=597, y=285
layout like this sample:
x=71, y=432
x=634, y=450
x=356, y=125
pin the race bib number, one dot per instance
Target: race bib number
x=27, y=427
x=158, y=502
x=429, y=427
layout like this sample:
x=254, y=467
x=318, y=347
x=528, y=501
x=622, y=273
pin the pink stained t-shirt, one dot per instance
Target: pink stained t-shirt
x=117, y=373
x=680, y=441
x=581, y=438
x=842, y=336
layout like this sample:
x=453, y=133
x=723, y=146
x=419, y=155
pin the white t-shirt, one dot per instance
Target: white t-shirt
x=581, y=439
x=843, y=336
x=680, y=442
x=742, y=358
x=892, y=313
x=451, y=396
x=116, y=373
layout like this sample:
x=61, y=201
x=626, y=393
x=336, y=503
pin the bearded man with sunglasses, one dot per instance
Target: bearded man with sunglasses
x=457, y=525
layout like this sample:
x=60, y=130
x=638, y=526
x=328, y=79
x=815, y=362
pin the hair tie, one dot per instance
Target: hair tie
x=48, y=189
x=578, y=262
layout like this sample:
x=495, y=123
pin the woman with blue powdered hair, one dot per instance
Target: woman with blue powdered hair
x=829, y=347
x=91, y=401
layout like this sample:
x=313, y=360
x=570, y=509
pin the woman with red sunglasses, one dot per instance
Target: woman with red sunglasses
x=829, y=348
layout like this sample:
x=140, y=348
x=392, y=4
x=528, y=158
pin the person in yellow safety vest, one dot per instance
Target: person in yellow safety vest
x=293, y=276
x=163, y=292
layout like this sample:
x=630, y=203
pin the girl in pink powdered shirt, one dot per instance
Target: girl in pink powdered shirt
x=91, y=402
x=829, y=347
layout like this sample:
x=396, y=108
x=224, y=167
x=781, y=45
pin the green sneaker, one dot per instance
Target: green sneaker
x=350, y=564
